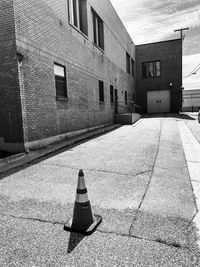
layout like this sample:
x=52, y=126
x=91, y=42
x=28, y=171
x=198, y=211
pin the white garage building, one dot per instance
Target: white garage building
x=191, y=100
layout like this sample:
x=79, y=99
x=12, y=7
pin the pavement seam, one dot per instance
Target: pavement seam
x=186, y=162
x=98, y=230
x=197, y=211
x=104, y=171
x=31, y=219
x=150, y=178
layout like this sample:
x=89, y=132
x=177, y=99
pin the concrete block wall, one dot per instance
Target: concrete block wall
x=170, y=55
x=11, y=126
x=44, y=36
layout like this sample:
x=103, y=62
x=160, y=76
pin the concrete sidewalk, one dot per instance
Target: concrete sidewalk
x=137, y=180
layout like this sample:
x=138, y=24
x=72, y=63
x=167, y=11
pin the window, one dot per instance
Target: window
x=98, y=30
x=132, y=67
x=78, y=14
x=101, y=91
x=128, y=63
x=151, y=69
x=111, y=94
x=126, y=98
x=60, y=80
x=157, y=69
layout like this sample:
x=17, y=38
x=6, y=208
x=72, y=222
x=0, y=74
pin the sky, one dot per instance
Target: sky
x=155, y=20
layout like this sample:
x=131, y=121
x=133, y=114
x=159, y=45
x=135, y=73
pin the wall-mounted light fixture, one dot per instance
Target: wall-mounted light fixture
x=170, y=84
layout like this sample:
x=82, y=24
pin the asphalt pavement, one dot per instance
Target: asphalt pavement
x=138, y=181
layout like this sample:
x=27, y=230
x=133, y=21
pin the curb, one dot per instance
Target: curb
x=11, y=159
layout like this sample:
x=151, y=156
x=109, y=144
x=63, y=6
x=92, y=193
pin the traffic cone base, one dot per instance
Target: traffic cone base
x=83, y=221
x=70, y=226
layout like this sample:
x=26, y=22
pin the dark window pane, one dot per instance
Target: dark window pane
x=60, y=87
x=133, y=67
x=100, y=34
x=127, y=63
x=111, y=94
x=75, y=13
x=101, y=91
x=83, y=16
x=126, y=100
x=98, y=30
x=144, y=70
x=94, y=29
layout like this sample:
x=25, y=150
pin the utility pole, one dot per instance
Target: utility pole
x=182, y=37
x=181, y=31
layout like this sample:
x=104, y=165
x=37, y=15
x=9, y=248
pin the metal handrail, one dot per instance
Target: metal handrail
x=126, y=108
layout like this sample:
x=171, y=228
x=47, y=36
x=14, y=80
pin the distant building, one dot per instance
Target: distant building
x=191, y=100
x=159, y=76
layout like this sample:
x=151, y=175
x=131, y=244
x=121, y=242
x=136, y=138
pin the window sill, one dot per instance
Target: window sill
x=146, y=78
x=61, y=98
x=78, y=30
x=98, y=47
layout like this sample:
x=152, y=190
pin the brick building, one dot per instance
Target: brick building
x=159, y=76
x=63, y=65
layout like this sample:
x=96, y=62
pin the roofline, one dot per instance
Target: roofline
x=172, y=40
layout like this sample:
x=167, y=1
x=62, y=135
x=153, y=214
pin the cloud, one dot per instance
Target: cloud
x=153, y=20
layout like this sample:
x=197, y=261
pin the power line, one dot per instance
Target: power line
x=195, y=70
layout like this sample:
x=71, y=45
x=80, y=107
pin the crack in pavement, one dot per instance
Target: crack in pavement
x=164, y=242
x=150, y=178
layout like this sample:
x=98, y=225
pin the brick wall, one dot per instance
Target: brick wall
x=11, y=128
x=44, y=36
x=170, y=55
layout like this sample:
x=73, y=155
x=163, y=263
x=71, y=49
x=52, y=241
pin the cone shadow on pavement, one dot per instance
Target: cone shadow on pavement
x=74, y=240
x=83, y=221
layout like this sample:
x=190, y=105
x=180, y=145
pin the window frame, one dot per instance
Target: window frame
x=98, y=30
x=149, y=73
x=63, y=79
x=77, y=17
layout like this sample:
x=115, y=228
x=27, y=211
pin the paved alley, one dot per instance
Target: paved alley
x=138, y=181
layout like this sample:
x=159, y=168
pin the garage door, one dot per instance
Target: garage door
x=158, y=101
